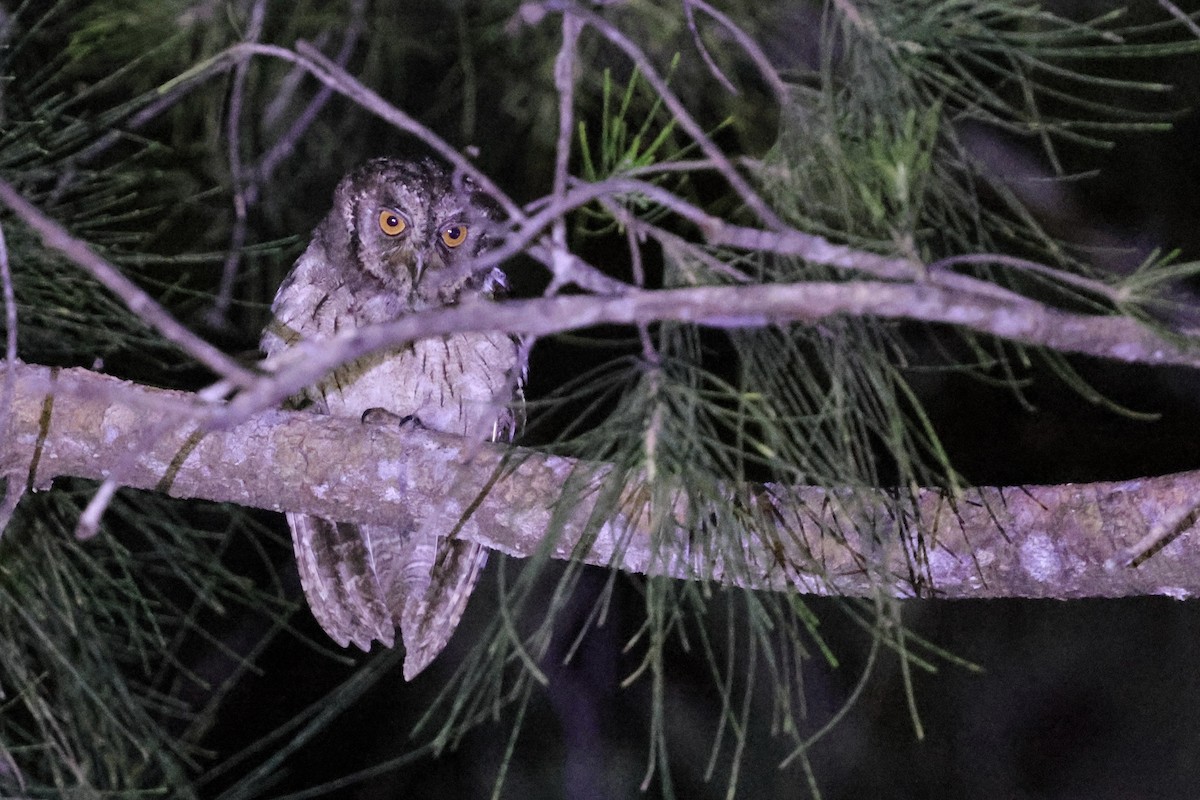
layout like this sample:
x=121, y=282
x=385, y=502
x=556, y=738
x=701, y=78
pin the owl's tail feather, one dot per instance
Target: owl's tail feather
x=433, y=605
x=338, y=574
x=364, y=581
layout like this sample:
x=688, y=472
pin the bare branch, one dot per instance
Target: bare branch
x=10, y=328
x=1179, y=14
x=989, y=542
x=689, y=15
x=140, y=303
x=14, y=490
x=575, y=270
x=237, y=179
x=343, y=83
x=1015, y=318
x=564, y=84
x=752, y=199
x=329, y=74
x=14, y=484
x=716, y=231
x=1089, y=285
x=89, y=521
x=750, y=47
x=286, y=143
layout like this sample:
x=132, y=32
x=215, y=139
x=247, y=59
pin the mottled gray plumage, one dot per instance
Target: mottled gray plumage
x=401, y=237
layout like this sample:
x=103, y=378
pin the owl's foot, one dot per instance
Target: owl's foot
x=381, y=416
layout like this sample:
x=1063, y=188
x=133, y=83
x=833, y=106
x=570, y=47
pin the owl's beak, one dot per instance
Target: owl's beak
x=416, y=268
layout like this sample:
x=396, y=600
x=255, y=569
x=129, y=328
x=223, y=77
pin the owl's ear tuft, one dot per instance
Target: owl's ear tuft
x=335, y=232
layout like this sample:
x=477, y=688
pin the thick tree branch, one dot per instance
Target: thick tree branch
x=1049, y=541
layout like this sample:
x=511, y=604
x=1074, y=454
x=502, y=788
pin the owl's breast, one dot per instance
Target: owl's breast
x=457, y=384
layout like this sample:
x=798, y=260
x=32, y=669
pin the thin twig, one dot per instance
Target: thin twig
x=14, y=490
x=672, y=242
x=724, y=165
x=634, y=241
x=715, y=230
x=581, y=194
x=10, y=325
x=89, y=521
x=765, y=68
x=286, y=143
x=342, y=82
x=564, y=84
x=237, y=181
x=660, y=167
x=1178, y=13
x=247, y=184
x=1098, y=288
x=14, y=484
x=143, y=305
x=575, y=270
x=690, y=16
x=282, y=98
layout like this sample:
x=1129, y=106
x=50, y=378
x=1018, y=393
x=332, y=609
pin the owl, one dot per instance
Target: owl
x=402, y=236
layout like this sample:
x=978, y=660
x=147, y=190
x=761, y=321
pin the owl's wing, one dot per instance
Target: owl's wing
x=337, y=572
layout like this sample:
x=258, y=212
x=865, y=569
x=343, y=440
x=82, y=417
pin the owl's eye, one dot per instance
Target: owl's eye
x=454, y=235
x=391, y=223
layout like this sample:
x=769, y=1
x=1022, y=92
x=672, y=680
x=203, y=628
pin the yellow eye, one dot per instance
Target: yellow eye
x=391, y=223
x=454, y=235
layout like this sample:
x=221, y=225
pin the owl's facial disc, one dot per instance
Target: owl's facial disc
x=416, y=230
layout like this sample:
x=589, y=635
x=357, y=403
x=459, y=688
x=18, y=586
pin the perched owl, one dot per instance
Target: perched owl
x=402, y=236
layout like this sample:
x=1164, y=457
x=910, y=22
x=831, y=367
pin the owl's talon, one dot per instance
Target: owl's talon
x=381, y=416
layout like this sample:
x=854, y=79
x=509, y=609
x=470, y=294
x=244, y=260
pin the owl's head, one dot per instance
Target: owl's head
x=414, y=227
